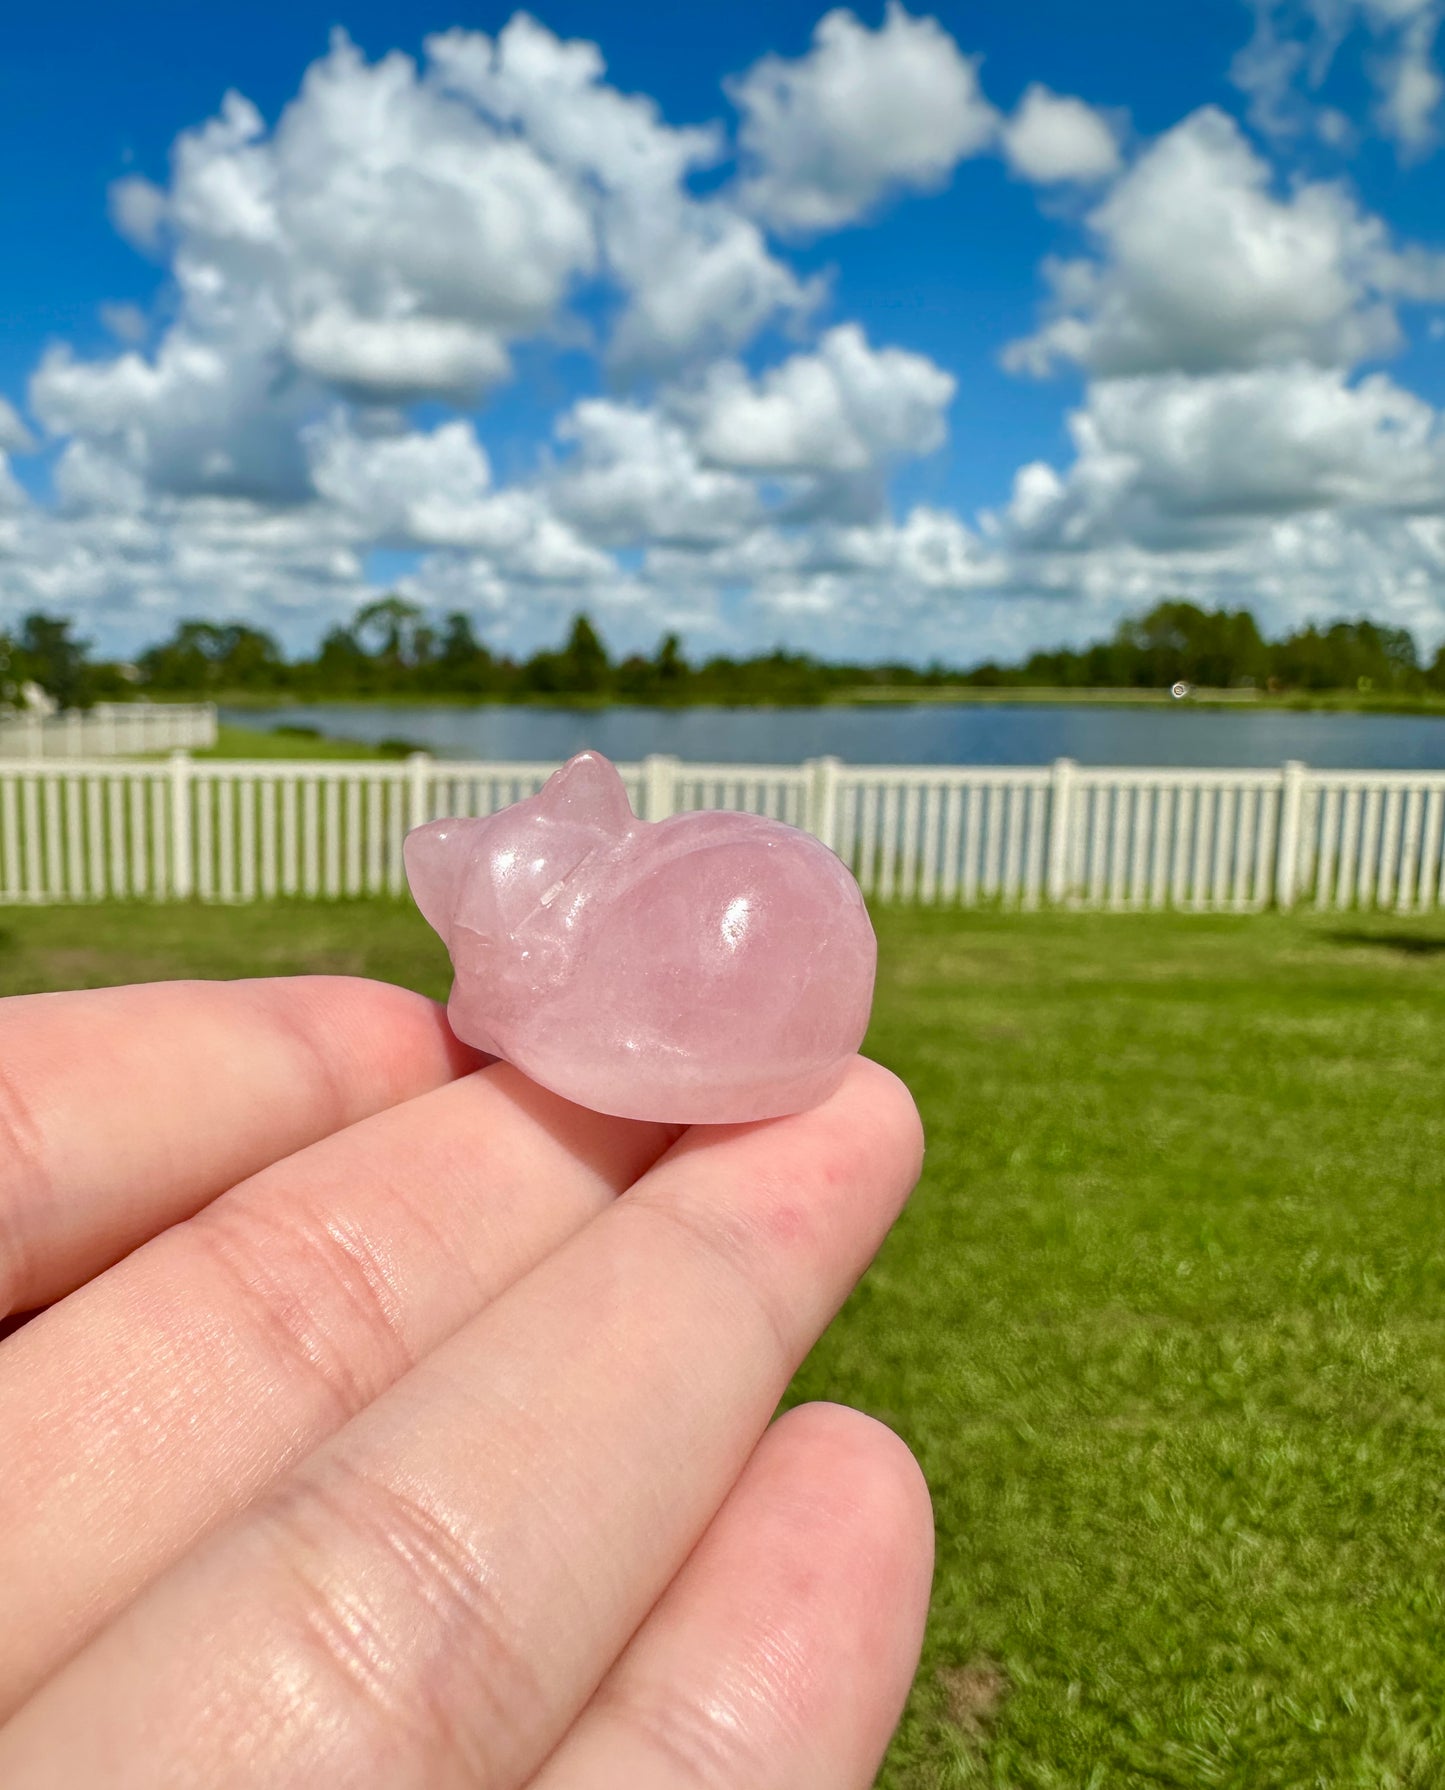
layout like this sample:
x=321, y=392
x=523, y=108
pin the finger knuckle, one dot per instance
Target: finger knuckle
x=398, y=1613
x=318, y=1298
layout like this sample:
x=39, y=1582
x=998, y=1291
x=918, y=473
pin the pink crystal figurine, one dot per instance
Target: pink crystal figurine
x=705, y=969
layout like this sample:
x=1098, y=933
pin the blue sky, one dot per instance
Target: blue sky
x=946, y=332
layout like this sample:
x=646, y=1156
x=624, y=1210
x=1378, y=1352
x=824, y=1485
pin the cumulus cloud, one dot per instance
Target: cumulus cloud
x=395, y=358
x=1172, y=459
x=1200, y=265
x=863, y=114
x=218, y=417
x=433, y=489
x=382, y=205
x=210, y=556
x=845, y=408
x=139, y=209
x=698, y=277
x=634, y=477
x=1052, y=137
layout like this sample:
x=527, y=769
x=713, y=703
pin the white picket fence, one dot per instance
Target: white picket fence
x=1201, y=840
x=109, y=730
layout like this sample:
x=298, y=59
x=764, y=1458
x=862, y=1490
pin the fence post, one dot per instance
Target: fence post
x=822, y=799
x=1061, y=829
x=180, y=824
x=660, y=782
x=418, y=782
x=1291, y=811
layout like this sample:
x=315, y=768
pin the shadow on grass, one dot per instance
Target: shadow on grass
x=1408, y=944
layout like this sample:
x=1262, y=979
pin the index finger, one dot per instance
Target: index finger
x=124, y=1110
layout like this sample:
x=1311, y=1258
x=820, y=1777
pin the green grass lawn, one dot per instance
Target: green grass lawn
x=287, y=742
x=1165, y=1323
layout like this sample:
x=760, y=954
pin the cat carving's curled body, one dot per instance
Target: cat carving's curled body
x=709, y=968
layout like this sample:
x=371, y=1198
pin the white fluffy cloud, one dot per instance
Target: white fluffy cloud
x=138, y=210
x=204, y=415
x=379, y=207
x=864, y=113
x=634, y=477
x=1200, y=265
x=1172, y=459
x=392, y=238
x=699, y=277
x=1052, y=137
x=845, y=408
x=434, y=489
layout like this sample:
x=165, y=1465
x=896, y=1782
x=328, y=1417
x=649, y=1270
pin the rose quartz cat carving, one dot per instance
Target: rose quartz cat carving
x=705, y=969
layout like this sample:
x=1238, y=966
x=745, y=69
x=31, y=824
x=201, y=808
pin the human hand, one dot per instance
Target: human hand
x=400, y=1451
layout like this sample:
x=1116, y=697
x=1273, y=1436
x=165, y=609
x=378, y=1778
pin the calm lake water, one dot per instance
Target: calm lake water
x=964, y=733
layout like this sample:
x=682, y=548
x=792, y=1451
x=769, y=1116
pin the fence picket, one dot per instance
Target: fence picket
x=1432, y=873
x=1389, y=849
x=1037, y=827
x=1014, y=825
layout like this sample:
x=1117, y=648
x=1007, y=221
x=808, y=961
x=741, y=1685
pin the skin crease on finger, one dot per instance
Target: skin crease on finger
x=158, y=1400
x=227, y=1077
x=432, y=1597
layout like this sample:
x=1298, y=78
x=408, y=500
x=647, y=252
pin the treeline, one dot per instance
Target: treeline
x=1178, y=642
x=392, y=649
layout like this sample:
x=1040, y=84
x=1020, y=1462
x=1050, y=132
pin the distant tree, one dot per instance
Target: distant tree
x=1358, y=655
x=1177, y=641
x=583, y=665
x=460, y=664
x=48, y=653
x=672, y=668
x=341, y=663
x=390, y=630
x=203, y=656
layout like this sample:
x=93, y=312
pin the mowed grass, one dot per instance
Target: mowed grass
x=1164, y=1322
x=285, y=742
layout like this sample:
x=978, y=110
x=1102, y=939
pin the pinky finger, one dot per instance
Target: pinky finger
x=780, y=1656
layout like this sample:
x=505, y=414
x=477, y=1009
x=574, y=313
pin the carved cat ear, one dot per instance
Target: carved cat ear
x=588, y=790
x=437, y=857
